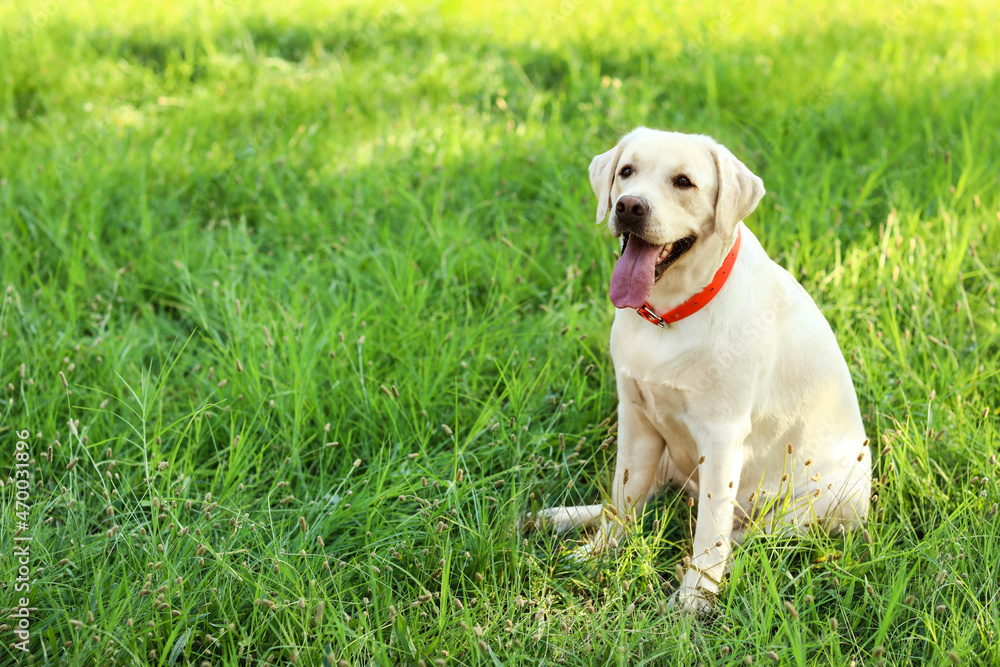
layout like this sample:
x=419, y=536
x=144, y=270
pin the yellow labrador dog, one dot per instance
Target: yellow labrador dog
x=730, y=381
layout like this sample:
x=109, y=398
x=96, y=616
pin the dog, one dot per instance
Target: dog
x=730, y=381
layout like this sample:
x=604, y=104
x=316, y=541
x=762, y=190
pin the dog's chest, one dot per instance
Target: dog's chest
x=658, y=362
x=657, y=373
x=664, y=406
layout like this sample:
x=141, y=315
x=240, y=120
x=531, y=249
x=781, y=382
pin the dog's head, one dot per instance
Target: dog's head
x=668, y=194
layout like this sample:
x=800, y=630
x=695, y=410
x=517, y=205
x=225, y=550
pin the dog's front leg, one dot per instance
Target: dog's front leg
x=640, y=448
x=720, y=465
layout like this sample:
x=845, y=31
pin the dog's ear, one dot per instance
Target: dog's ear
x=739, y=192
x=602, y=175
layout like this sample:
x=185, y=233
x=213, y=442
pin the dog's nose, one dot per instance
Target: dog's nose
x=631, y=210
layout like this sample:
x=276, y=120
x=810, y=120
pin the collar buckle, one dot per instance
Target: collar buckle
x=650, y=316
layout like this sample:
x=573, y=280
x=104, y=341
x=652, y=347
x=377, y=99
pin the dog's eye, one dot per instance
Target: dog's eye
x=683, y=181
x=626, y=171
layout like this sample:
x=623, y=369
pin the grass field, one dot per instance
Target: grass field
x=304, y=304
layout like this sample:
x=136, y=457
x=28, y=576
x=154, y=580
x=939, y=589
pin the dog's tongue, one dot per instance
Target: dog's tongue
x=634, y=274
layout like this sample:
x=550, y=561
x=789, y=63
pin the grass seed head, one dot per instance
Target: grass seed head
x=318, y=618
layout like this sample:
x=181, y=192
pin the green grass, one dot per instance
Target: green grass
x=239, y=229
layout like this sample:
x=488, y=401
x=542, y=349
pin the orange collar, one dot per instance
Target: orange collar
x=699, y=300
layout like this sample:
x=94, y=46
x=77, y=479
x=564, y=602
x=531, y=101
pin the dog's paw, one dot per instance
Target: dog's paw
x=580, y=555
x=592, y=548
x=696, y=601
x=696, y=595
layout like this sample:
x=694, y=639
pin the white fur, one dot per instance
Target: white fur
x=756, y=370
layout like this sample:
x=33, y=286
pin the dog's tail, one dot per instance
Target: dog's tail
x=562, y=519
